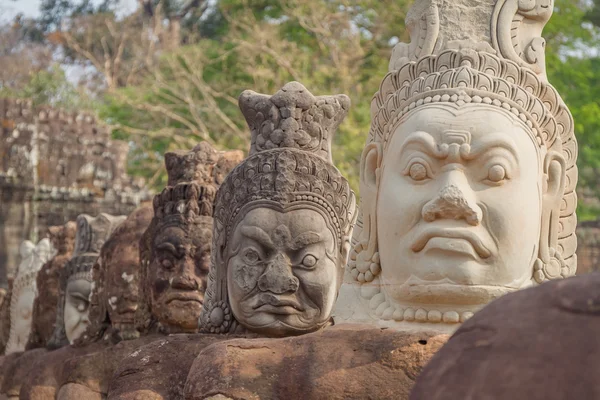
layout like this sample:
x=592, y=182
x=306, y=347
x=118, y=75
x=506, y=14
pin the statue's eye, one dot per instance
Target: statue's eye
x=496, y=174
x=309, y=261
x=251, y=256
x=81, y=307
x=418, y=170
x=167, y=264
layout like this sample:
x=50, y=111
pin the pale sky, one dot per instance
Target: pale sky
x=30, y=8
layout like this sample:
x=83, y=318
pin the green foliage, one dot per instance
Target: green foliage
x=50, y=87
x=574, y=69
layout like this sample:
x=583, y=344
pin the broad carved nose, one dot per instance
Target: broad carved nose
x=278, y=277
x=186, y=278
x=452, y=202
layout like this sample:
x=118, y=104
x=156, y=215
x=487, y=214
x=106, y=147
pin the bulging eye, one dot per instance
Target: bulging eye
x=418, y=170
x=81, y=307
x=309, y=261
x=167, y=264
x=497, y=174
x=251, y=256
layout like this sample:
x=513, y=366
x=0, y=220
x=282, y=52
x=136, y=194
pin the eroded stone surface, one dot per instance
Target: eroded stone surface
x=116, y=276
x=175, y=250
x=468, y=176
x=76, y=279
x=24, y=291
x=283, y=220
x=539, y=343
x=158, y=370
x=346, y=362
x=48, y=285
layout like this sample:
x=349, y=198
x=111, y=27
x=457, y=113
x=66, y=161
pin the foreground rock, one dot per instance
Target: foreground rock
x=158, y=371
x=536, y=344
x=346, y=362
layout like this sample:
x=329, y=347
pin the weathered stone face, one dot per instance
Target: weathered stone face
x=115, y=295
x=284, y=218
x=77, y=307
x=178, y=272
x=176, y=248
x=48, y=285
x=283, y=270
x=72, y=317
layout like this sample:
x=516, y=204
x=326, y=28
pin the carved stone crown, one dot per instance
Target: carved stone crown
x=290, y=164
x=185, y=199
x=93, y=232
x=203, y=164
x=193, y=180
x=293, y=118
x=510, y=29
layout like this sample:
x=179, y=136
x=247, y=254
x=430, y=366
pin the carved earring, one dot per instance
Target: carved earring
x=363, y=266
x=553, y=269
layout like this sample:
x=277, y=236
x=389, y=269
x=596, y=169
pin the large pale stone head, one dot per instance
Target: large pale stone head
x=468, y=177
x=76, y=282
x=116, y=279
x=24, y=291
x=175, y=249
x=48, y=285
x=283, y=220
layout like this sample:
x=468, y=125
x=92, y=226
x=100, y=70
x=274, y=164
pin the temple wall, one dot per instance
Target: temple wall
x=55, y=165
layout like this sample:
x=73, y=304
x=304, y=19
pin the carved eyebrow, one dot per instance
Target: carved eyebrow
x=423, y=140
x=305, y=239
x=491, y=141
x=177, y=250
x=79, y=296
x=254, y=232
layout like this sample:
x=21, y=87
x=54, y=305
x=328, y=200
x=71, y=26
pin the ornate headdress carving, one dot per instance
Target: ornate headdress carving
x=193, y=179
x=32, y=259
x=289, y=163
x=490, y=54
x=90, y=236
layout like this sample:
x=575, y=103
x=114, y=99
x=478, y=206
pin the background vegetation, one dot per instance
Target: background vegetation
x=168, y=75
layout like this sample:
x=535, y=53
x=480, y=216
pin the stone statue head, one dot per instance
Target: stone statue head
x=175, y=249
x=48, y=285
x=283, y=220
x=468, y=176
x=24, y=291
x=72, y=317
x=116, y=279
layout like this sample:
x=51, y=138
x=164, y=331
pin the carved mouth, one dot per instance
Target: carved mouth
x=276, y=305
x=455, y=236
x=186, y=296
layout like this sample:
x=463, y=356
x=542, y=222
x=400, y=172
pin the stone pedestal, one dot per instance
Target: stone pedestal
x=345, y=362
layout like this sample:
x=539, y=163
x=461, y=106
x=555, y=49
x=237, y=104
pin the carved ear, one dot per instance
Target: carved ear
x=554, y=187
x=366, y=250
x=369, y=167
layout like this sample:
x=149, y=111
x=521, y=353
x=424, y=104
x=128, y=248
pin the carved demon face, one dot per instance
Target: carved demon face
x=459, y=209
x=283, y=271
x=178, y=272
x=77, y=307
